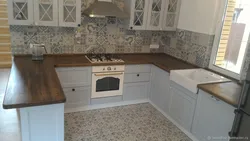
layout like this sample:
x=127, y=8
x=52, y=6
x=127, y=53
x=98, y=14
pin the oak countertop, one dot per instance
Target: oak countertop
x=33, y=83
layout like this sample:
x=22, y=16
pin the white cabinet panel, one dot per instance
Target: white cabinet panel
x=69, y=13
x=136, y=91
x=46, y=12
x=182, y=107
x=155, y=14
x=160, y=84
x=213, y=118
x=77, y=96
x=137, y=68
x=20, y=12
x=74, y=76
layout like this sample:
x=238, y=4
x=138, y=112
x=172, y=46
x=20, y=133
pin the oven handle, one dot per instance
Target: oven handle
x=105, y=74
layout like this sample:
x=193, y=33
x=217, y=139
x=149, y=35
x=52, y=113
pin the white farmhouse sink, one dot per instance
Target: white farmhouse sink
x=190, y=78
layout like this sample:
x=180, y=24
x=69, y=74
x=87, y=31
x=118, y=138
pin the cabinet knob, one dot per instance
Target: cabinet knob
x=131, y=27
x=79, y=25
x=73, y=90
x=138, y=75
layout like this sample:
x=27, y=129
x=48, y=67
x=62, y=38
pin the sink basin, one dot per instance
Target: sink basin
x=190, y=78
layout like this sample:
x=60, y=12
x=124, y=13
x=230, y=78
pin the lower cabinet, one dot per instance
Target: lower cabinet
x=136, y=91
x=159, y=90
x=77, y=96
x=182, y=106
x=213, y=118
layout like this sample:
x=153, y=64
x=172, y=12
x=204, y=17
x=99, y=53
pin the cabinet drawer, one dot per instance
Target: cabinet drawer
x=74, y=76
x=136, y=77
x=77, y=96
x=137, y=68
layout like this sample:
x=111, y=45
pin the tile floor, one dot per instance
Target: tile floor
x=140, y=122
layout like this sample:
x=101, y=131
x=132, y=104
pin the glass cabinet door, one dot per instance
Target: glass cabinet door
x=155, y=14
x=69, y=12
x=20, y=12
x=171, y=14
x=46, y=12
x=139, y=14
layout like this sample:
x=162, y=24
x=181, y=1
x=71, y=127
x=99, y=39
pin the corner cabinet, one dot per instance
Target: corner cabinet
x=153, y=14
x=69, y=13
x=44, y=12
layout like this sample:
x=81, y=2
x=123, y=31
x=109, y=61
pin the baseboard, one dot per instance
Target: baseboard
x=107, y=105
x=190, y=135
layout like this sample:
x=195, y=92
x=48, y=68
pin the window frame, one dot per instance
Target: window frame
x=218, y=31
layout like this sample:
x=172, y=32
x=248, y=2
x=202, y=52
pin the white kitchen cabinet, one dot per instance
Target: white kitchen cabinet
x=171, y=15
x=46, y=12
x=182, y=105
x=213, y=118
x=153, y=14
x=136, y=91
x=77, y=96
x=20, y=12
x=160, y=83
x=69, y=13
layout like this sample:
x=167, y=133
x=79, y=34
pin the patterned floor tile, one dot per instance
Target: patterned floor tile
x=139, y=122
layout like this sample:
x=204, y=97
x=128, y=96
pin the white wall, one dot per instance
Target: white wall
x=200, y=15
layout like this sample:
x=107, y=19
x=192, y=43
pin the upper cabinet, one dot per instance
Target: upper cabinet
x=153, y=14
x=69, y=13
x=45, y=12
x=20, y=12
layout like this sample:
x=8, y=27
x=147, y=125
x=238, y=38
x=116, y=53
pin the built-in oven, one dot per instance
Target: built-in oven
x=107, y=81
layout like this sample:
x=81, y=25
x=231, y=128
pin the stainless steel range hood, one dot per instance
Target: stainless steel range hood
x=105, y=8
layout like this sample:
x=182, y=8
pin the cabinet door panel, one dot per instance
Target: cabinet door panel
x=171, y=14
x=69, y=13
x=135, y=91
x=46, y=12
x=138, y=17
x=182, y=108
x=213, y=118
x=77, y=96
x=155, y=14
x=20, y=12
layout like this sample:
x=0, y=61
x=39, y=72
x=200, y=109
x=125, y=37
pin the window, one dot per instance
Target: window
x=231, y=38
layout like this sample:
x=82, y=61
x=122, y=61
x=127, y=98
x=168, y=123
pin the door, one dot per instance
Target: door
x=213, y=118
x=155, y=14
x=171, y=14
x=69, y=13
x=135, y=91
x=46, y=13
x=138, y=17
x=20, y=12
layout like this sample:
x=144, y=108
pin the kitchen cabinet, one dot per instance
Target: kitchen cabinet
x=159, y=90
x=77, y=96
x=44, y=12
x=213, y=118
x=136, y=91
x=69, y=13
x=182, y=105
x=20, y=12
x=153, y=14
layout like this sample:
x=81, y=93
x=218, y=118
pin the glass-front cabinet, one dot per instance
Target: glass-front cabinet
x=155, y=14
x=69, y=12
x=171, y=15
x=46, y=12
x=20, y=12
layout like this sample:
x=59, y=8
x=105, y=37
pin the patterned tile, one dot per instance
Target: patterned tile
x=139, y=122
x=30, y=38
x=17, y=38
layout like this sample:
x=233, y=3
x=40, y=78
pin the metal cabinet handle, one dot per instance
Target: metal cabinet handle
x=214, y=98
x=105, y=74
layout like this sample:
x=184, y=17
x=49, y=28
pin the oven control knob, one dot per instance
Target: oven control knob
x=109, y=68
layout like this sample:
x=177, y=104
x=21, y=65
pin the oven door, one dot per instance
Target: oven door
x=107, y=84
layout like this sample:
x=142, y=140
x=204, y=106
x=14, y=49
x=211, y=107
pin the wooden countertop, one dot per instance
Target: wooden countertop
x=34, y=83
x=228, y=91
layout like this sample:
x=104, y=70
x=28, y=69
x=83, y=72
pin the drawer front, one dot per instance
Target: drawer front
x=104, y=100
x=74, y=76
x=137, y=68
x=136, y=91
x=136, y=77
x=77, y=96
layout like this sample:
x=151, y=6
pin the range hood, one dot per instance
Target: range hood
x=104, y=8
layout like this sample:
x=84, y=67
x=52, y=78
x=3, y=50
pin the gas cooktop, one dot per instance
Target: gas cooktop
x=104, y=58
